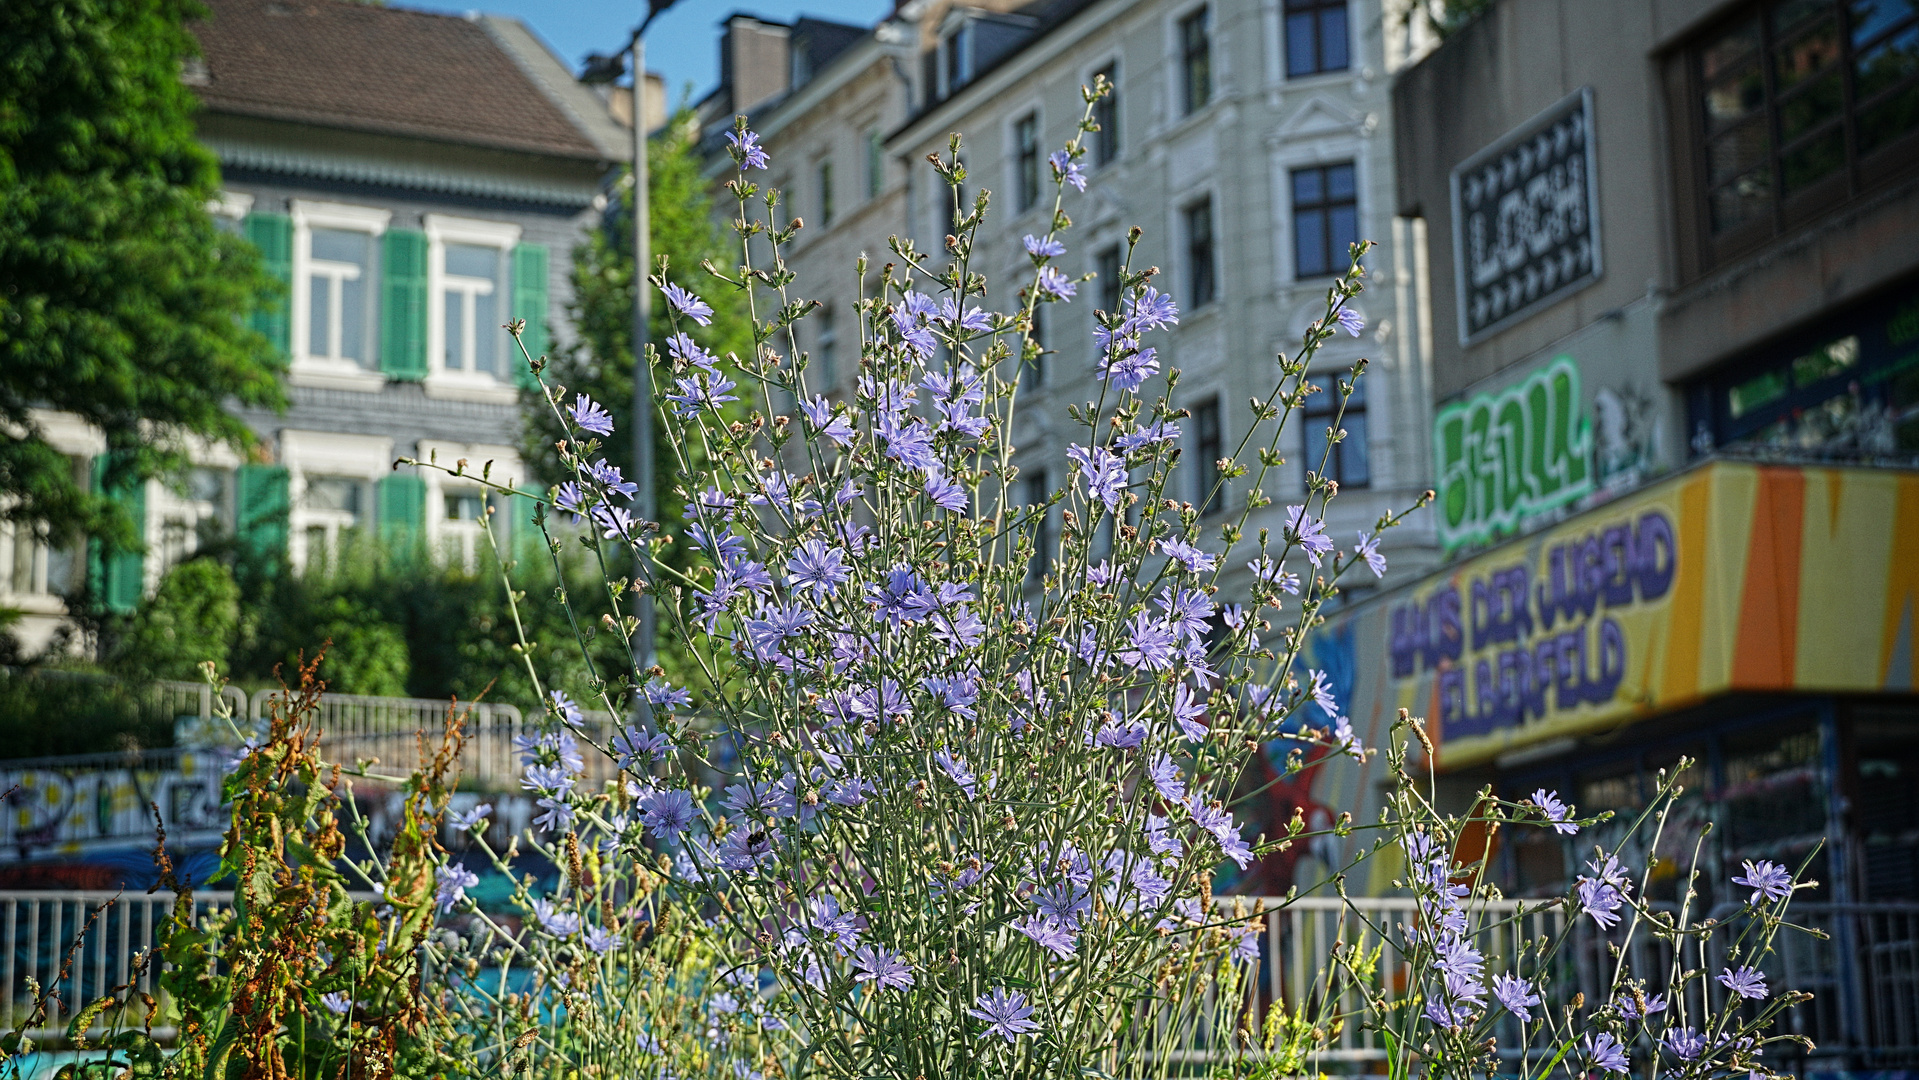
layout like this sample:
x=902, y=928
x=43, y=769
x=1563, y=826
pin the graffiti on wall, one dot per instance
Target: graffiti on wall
x=1510, y=648
x=64, y=809
x=1506, y=456
x=1526, y=219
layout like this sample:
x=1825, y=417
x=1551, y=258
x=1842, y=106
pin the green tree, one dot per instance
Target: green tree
x=191, y=618
x=600, y=363
x=120, y=300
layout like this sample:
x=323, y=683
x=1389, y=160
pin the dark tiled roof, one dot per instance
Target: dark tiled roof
x=347, y=65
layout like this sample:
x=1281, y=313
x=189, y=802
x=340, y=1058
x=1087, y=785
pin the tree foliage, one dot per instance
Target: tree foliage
x=120, y=299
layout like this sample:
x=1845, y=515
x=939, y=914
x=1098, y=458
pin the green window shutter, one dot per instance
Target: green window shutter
x=529, y=303
x=260, y=521
x=273, y=235
x=403, y=305
x=402, y=507
x=117, y=575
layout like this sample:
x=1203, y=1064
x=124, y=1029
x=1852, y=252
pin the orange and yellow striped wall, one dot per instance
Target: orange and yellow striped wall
x=1728, y=577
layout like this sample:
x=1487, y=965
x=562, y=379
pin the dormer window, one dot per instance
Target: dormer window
x=956, y=57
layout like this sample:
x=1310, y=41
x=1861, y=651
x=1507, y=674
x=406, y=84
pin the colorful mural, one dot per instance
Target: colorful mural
x=1728, y=577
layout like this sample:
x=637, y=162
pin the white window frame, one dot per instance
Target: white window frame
x=466, y=384
x=330, y=371
x=1314, y=152
x=314, y=454
x=462, y=540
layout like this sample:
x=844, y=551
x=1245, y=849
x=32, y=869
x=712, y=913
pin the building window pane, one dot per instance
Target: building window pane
x=1026, y=150
x=1199, y=253
x=875, y=163
x=826, y=193
x=1109, y=280
x=1196, y=61
x=827, y=377
x=1106, y=115
x=1037, y=492
x=1209, y=443
x=1315, y=36
x=1793, y=94
x=339, y=263
x=471, y=293
x=1325, y=219
x=1033, y=371
x=1348, y=463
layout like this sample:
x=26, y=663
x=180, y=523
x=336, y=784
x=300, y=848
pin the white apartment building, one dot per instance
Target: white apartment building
x=1249, y=139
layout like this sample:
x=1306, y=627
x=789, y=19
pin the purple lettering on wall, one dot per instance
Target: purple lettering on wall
x=1539, y=645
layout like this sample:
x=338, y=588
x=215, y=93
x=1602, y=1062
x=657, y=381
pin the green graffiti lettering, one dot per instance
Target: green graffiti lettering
x=1512, y=454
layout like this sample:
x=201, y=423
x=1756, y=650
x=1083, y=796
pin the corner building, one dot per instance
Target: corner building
x=1672, y=276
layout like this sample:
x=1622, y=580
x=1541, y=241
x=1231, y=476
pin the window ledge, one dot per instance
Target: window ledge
x=335, y=375
x=480, y=388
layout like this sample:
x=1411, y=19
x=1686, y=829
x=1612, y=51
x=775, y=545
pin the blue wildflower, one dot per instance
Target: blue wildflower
x=746, y=150
x=688, y=304
x=1005, y=1012
x=1767, y=879
x=590, y=416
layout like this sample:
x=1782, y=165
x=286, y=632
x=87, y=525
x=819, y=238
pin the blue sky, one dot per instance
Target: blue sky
x=682, y=44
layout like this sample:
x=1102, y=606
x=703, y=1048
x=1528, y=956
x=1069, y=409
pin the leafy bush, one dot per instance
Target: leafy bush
x=191, y=619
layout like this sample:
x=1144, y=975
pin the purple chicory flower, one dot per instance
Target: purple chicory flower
x=452, y=881
x=1322, y=691
x=945, y=493
x=1605, y=1053
x=1049, y=934
x=472, y=819
x=667, y=813
x=1188, y=707
x=1747, y=982
x=1685, y=1043
x=1151, y=310
x=614, y=521
x=1555, y=811
x=1005, y=1012
x=588, y=414
x=1308, y=532
x=1191, y=557
x=1149, y=643
x=747, y=151
x=817, y=568
x=1066, y=170
x=687, y=304
x=1767, y=879
x=1368, y=549
x=337, y=1002
x=1103, y=470
x=1167, y=778
x=885, y=970
x=1053, y=283
x=600, y=940
x=1601, y=901
x=956, y=771
x=663, y=694
x=554, y=920
x=1628, y=1003
x=819, y=413
x=1350, y=320
x=1043, y=248
x=1516, y=995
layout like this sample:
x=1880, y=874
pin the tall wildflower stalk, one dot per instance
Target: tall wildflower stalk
x=949, y=785
x=977, y=768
